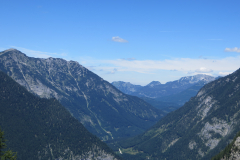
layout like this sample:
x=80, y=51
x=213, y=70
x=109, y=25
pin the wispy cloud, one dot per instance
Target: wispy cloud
x=224, y=73
x=39, y=54
x=113, y=71
x=235, y=49
x=128, y=59
x=118, y=39
x=183, y=65
x=203, y=70
x=2, y=49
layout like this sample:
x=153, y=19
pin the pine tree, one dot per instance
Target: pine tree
x=5, y=155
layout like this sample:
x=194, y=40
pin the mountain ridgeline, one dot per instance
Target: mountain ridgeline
x=39, y=128
x=198, y=130
x=100, y=107
x=167, y=97
x=155, y=89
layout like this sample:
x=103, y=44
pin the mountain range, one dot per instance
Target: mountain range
x=100, y=107
x=155, y=89
x=44, y=103
x=39, y=128
x=178, y=92
x=199, y=129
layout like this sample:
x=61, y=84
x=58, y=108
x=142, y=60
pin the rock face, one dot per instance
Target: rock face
x=38, y=128
x=198, y=130
x=231, y=152
x=99, y=106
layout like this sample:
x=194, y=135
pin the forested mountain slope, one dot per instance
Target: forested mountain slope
x=231, y=152
x=100, y=107
x=198, y=130
x=39, y=128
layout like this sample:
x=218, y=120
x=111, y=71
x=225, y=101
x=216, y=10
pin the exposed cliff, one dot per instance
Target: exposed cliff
x=40, y=129
x=231, y=152
x=198, y=130
x=99, y=106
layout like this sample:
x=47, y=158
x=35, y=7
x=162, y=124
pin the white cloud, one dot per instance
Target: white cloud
x=203, y=70
x=180, y=64
x=224, y=73
x=2, y=49
x=113, y=71
x=128, y=59
x=118, y=39
x=236, y=49
x=39, y=54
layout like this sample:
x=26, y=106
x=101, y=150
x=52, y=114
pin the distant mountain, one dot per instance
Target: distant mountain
x=178, y=92
x=155, y=89
x=184, y=96
x=126, y=87
x=153, y=84
x=99, y=106
x=39, y=128
x=198, y=130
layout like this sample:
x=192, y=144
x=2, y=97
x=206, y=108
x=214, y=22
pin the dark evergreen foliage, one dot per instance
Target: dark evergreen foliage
x=99, y=106
x=33, y=125
x=166, y=107
x=227, y=151
x=5, y=155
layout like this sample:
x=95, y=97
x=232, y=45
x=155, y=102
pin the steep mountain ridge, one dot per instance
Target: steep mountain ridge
x=99, y=106
x=198, y=130
x=231, y=152
x=38, y=128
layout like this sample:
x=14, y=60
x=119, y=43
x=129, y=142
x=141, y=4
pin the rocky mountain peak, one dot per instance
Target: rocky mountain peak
x=154, y=83
x=100, y=107
x=11, y=51
x=196, y=78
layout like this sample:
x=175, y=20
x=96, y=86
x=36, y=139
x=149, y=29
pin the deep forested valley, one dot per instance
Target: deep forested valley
x=58, y=109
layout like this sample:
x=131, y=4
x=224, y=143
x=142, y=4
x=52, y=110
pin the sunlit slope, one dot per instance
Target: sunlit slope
x=198, y=130
x=40, y=128
x=100, y=107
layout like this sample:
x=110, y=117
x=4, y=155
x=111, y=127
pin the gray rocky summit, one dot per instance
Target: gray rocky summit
x=100, y=107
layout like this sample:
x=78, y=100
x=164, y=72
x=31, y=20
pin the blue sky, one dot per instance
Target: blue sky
x=136, y=41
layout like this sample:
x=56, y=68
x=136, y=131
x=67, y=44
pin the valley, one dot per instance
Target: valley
x=199, y=129
x=119, y=80
x=194, y=117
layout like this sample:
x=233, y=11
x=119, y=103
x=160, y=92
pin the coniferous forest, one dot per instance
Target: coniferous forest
x=39, y=128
